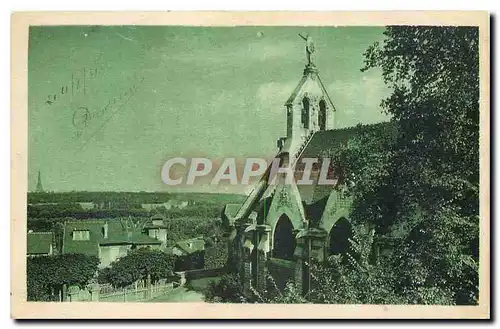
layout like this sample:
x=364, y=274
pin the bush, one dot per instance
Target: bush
x=140, y=264
x=226, y=290
x=216, y=255
x=51, y=273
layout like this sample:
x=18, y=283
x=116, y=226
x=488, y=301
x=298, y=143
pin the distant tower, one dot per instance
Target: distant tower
x=39, y=187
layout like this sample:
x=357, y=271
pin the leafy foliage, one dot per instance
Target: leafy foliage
x=368, y=174
x=48, y=205
x=419, y=185
x=357, y=281
x=434, y=74
x=183, y=228
x=216, y=254
x=140, y=264
x=51, y=273
x=75, y=211
x=127, y=200
x=227, y=290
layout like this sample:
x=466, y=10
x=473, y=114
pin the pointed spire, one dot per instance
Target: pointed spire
x=39, y=187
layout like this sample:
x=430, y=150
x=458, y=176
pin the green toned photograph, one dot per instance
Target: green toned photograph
x=254, y=164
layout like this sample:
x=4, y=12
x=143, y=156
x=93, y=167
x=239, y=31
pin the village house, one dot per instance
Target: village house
x=156, y=228
x=106, y=239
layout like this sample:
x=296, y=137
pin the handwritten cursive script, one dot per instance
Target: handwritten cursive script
x=89, y=121
x=78, y=84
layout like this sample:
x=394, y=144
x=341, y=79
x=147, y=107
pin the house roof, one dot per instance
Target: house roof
x=150, y=225
x=119, y=232
x=129, y=238
x=190, y=246
x=39, y=242
x=156, y=217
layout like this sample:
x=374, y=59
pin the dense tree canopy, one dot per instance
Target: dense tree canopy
x=140, y=264
x=47, y=275
x=128, y=199
x=434, y=75
x=420, y=184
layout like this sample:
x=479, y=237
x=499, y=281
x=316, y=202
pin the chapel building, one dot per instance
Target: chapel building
x=283, y=225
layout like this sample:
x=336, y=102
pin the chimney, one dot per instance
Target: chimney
x=105, y=230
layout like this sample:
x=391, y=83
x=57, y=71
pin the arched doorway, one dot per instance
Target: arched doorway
x=322, y=115
x=339, y=237
x=284, y=240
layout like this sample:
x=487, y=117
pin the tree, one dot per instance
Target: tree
x=49, y=275
x=434, y=163
x=357, y=280
x=434, y=75
x=415, y=181
x=141, y=264
x=227, y=290
x=367, y=173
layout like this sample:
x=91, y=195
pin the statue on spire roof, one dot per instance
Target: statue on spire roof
x=309, y=48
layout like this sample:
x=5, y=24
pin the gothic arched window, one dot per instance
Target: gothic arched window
x=305, y=112
x=322, y=115
x=284, y=239
x=339, y=243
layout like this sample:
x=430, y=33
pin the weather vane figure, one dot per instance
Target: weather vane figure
x=309, y=48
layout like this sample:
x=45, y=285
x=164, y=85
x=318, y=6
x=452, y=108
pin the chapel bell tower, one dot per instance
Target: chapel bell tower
x=309, y=107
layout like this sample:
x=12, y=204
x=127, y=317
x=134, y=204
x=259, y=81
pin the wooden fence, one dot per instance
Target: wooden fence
x=137, y=292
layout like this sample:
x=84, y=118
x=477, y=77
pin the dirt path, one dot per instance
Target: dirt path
x=180, y=294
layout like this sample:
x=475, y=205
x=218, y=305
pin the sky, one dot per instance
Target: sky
x=108, y=105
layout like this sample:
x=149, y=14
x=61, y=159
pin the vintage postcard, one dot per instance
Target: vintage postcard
x=250, y=165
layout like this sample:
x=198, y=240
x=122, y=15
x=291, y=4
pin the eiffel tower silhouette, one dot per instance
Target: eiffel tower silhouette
x=39, y=187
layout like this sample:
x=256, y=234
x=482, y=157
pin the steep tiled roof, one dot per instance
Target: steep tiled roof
x=157, y=216
x=132, y=238
x=326, y=140
x=118, y=233
x=39, y=243
x=332, y=139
